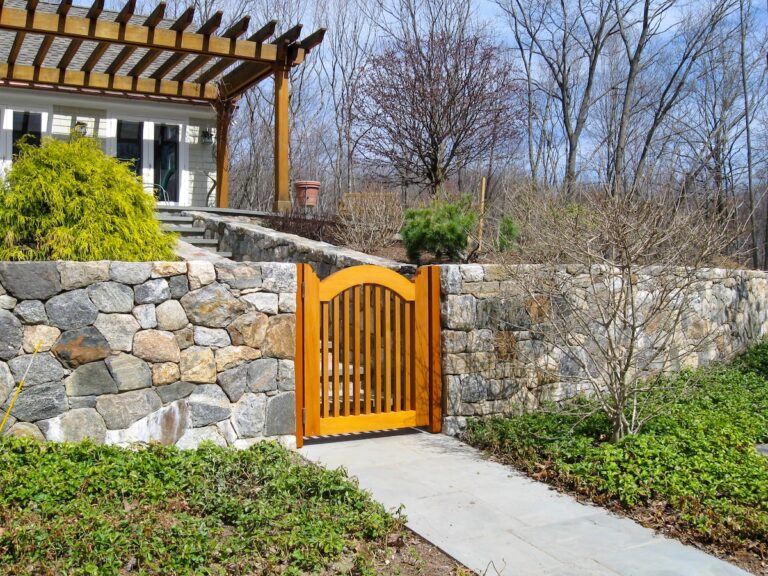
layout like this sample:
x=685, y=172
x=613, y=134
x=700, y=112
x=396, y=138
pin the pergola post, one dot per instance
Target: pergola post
x=225, y=109
x=282, y=178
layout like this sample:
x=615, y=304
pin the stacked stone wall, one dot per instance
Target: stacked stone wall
x=249, y=241
x=174, y=352
x=492, y=359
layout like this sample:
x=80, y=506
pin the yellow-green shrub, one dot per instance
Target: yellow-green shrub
x=68, y=200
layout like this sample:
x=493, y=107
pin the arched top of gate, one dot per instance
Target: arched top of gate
x=366, y=274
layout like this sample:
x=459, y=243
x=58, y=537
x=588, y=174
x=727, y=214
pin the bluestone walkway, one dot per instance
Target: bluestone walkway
x=495, y=520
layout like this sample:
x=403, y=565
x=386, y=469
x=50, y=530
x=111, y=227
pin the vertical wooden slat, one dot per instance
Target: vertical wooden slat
x=408, y=354
x=335, y=360
x=346, y=396
x=311, y=299
x=324, y=384
x=368, y=332
x=398, y=351
x=379, y=400
x=421, y=371
x=436, y=385
x=356, y=354
x=299, y=364
x=388, y=349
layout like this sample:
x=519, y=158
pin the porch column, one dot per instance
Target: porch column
x=225, y=109
x=282, y=201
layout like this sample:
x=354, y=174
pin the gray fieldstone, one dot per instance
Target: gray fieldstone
x=30, y=280
x=11, y=335
x=249, y=414
x=263, y=302
x=179, y=285
x=152, y=292
x=193, y=437
x=249, y=329
x=31, y=312
x=26, y=430
x=121, y=410
x=234, y=382
x=145, y=316
x=79, y=274
x=213, y=337
x=185, y=337
x=118, y=329
x=171, y=316
x=44, y=369
x=7, y=302
x=175, y=391
x=40, y=402
x=71, y=310
x=200, y=273
x=450, y=279
x=82, y=402
x=231, y=356
x=130, y=272
x=111, y=297
x=262, y=375
x=156, y=346
x=81, y=346
x=472, y=272
x=164, y=373
x=168, y=268
x=90, y=380
x=286, y=375
x=281, y=337
x=213, y=306
x=208, y=404
x=281, y=415
x=279, y=277
x=129, y=372
x=198, y=365
x=286, y=302
x=75, y=426
x=460, y=312
x=238, y=275
x=7, y=383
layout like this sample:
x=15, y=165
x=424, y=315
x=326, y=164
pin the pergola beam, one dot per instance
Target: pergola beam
x=122, y=18
x=181, y=23
x=210, y=26
x=235, y=31
x=100, y=81
x=79, y=28
x=93, y=13
x=259, y=36
x=127, y=51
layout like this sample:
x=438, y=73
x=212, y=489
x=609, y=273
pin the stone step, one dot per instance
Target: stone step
x=168, y=217
x=185, y=230
x=202, y=241
x=224, y=254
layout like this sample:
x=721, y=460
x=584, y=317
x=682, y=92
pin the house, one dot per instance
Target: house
x=151, y=90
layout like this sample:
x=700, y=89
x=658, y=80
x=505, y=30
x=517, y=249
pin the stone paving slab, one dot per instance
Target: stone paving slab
x=495, y=520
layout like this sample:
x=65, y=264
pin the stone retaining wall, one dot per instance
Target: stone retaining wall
x=249, y=241
x=492, y=359
x=175, y=352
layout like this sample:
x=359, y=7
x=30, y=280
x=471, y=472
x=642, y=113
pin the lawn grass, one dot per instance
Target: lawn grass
x=85, y=509
x=692, y=472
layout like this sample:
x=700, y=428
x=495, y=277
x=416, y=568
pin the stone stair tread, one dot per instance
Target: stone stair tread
x=202, y=241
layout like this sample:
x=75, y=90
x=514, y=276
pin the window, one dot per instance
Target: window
x=26, y=123
x=130, y=143
x=167, y=162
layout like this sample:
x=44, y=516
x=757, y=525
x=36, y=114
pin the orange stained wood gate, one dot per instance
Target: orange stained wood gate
x=367, y=351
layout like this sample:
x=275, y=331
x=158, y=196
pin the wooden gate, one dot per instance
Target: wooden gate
x=367, y=351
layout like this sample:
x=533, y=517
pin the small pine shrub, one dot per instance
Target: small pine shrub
x=442, y=229
x=68, y=200
x=508, y=233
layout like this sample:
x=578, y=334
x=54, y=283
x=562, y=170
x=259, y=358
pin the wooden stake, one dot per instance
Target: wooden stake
x=482, y=214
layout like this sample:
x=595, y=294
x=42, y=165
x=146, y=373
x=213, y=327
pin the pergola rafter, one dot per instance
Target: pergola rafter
x=161, y=58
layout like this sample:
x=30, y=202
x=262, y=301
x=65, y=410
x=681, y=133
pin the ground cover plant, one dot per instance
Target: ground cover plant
x=68, y=200
x=85, y=509
x=692, y=472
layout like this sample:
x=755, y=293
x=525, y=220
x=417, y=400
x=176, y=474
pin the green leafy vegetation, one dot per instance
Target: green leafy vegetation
x=693, y=471
x=69, y=200
x=509, y=232
x=85, y=509
x=442, y=229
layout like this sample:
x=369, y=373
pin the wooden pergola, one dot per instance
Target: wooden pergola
x=156, y=59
